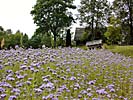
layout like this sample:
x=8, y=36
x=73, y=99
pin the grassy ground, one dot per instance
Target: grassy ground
x=124, y=50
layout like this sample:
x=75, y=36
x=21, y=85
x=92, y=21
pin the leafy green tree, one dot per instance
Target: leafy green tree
x=84, y=37
x=18, y=36
x=1, y=29
x=113, y=34
x=94, y=13
x=124, y=11
x=52, y=16
x=46, y=40
x=25, y=41
x=11, y=40
x=35, y=41
x=9, y=31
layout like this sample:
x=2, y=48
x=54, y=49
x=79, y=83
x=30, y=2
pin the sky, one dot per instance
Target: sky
x=15, y=15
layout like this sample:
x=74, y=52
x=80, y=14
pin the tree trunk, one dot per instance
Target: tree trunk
x=130, y=4
x=68, y=38
x=131, y=25
x=92, y=26
x=92, y=30
x=54, y=41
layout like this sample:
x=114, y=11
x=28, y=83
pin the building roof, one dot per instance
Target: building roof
x=78, y=33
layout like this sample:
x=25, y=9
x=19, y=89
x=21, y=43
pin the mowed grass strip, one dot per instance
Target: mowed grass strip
x=124, y=50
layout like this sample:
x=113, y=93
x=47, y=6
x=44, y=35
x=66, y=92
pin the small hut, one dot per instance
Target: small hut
x=78, y=34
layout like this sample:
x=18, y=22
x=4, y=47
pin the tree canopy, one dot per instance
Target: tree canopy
x=123, y=9
x=94, y=13
x=51, y=16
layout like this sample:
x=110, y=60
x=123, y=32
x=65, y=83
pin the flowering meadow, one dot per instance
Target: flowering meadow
x=65, y=74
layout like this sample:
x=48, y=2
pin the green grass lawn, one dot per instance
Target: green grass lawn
x=124, y=50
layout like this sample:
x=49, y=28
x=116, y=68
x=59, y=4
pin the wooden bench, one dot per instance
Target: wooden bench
x=94, y=44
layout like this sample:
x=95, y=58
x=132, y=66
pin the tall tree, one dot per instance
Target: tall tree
x=51, y=16
x=94, y=13
x=35, y=41
x=9, y=31
x=1, y=29
x=25, y=40
x=68, y=38
x=124, y=10
x=113, y=34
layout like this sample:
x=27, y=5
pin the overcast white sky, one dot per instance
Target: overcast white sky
x=15, y=15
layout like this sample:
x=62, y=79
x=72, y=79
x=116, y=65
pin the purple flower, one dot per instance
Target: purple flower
x=1, y=67
x=108, y=96
x=110, y=86
x=92, y=82
x=12, y=97
x=44, y=98
x=77, y=85
x=9, y=71
x=54, y=98
x=49, y=85
x=89, y=94
x=23, y=67
x=95, y=99
x=42, y=86
x=67, y=90
x=2, y=90
x=19, y=84
x=45, y=80
x=28, y=82
x=83, y=92
x=15, y=90
x=79, y=96
x=101, y=91
x=30, y=79
x=38, y=90
x=112, y=90
x=88, y=89
x=10, y=78
x=72, y=78
x=50, y=96
x=3, y=95
x=19, y=76
x=5, y=84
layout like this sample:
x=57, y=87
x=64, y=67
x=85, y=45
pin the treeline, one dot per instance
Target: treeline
x=8, y=39
x=114, y=20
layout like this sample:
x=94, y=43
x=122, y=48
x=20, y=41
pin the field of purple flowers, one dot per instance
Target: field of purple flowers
x=65, y=74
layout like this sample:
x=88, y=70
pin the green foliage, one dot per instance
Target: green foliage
x=94, y=13
x=25, y=41
x=1, y=29
x=51, y=16
x=84, y=36
x=35, y=41
x=17, y=38
x=11, y=40
x=124, y=11
x=46, y=40
x=113, y=34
